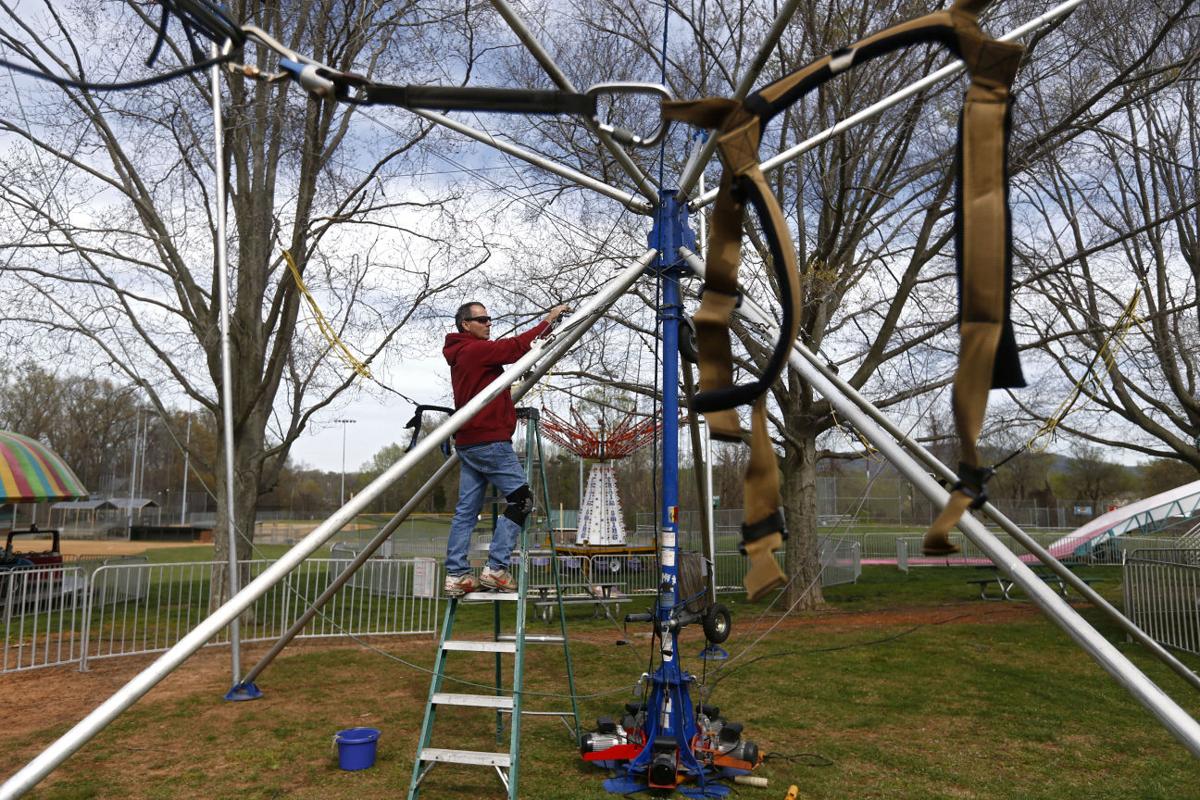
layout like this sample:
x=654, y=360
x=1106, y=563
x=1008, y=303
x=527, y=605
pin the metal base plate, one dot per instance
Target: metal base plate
x=243, y=691
x=626, y=784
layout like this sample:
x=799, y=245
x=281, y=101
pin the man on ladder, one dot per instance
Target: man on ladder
x=484, y=446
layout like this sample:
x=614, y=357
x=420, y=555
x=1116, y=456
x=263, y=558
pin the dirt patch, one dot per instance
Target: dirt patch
x=101, y=547
x=38, y=699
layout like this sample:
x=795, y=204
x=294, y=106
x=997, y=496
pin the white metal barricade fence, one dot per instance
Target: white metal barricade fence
x=130, y=609
x=968, y=553
x=1113, y=550
x=636, y=573
x=62, y=615
x=43, y=609
x=841, y=561
x=1162, y=595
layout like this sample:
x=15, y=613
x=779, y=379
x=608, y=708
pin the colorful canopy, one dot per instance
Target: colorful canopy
x=30, y=472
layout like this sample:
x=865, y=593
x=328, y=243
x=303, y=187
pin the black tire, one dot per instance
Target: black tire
x=718, y=624
x=688, y=349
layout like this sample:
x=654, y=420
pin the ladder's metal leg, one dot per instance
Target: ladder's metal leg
x=523, y=592
x=562, y=617
x=435, y=686
x=499, y=670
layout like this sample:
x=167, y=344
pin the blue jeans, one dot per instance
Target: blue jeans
x=495, y=463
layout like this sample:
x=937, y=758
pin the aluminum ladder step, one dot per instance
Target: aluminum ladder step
x=480, y=647
x=473, y=757
x=533, y=638
x=472, y=700
x=488, y=597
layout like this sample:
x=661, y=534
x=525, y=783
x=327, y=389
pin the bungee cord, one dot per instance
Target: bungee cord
x=198, y=20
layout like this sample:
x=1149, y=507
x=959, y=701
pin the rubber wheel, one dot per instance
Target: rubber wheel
x=688, y=349
x=717, y=624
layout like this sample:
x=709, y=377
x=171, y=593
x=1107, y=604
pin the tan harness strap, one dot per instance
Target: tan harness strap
x=763, y=502
x=988, y=349
x=742, y=182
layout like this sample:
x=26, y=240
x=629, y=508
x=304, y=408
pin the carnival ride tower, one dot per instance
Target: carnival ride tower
x=600, y=518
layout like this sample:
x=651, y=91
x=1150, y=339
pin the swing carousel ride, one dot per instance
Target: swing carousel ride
x=601, y=526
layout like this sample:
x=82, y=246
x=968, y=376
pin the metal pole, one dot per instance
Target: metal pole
x=344, y=422
x=710, y=524
x=563, y=82
x=187, y=462
x=137, y=426
x=141, y=490
x=345, y=575
x=1122, y=670
x=235, y=645
x=540, y=361
x=877, y=108
x=587, y=181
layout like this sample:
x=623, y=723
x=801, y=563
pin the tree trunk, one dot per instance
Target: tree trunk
x=247, y=473
x=799, y=466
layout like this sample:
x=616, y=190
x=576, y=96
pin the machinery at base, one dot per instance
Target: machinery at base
x=665, y=743
x=718, y=747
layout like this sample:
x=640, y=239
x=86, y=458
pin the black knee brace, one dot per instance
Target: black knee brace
x=520, y=504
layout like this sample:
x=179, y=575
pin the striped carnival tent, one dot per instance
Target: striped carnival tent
x=30, y=472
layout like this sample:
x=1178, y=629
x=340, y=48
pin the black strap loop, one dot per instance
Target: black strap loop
x=746, y=393
x=772, y=523
x=972, y=481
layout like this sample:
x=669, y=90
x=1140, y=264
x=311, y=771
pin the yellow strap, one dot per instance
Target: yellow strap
x=331, y=336
x=738, y=140
x=1106, y=355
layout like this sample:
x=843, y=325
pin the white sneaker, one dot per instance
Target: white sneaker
x=499, y=580
x=458, y=585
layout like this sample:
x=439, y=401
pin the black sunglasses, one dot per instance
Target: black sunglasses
x=483, y=320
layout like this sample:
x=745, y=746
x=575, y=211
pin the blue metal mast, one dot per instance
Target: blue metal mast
x=670, y=717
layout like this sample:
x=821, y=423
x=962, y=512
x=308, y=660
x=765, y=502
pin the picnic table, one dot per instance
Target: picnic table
x=1006, y=584
x=599, y=593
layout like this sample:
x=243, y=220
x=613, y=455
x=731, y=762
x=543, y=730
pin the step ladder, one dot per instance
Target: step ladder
x=504, y=702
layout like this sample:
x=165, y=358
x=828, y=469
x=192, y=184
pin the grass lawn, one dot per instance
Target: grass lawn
x=905, y=687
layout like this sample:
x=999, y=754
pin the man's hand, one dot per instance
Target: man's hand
x=556, y=312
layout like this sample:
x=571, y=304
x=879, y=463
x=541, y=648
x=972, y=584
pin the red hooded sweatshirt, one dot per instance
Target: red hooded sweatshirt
x=474, y=363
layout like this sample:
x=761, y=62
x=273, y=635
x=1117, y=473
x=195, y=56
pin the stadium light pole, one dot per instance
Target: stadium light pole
x=344, y=423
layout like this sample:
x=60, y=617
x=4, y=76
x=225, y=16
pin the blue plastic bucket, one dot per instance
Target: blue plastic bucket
x=356, y=748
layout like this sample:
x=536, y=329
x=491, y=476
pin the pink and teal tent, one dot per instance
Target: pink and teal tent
x=30, y=472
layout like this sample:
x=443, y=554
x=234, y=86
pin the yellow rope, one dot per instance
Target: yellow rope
x=869, y=451
x=335, y=341
x=1106, y=355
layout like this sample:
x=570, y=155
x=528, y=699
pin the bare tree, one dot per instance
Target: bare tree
x=871, y=210
x=110, y=226
x=1117, y=204
x=1088, y=478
